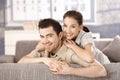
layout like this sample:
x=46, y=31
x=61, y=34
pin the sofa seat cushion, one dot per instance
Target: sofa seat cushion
x=6, y=59
x=112, y=50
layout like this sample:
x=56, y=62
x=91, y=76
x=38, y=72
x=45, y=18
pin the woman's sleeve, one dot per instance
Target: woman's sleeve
x=87, y=39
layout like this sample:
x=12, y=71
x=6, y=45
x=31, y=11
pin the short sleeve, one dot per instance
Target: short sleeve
x=87, y=39
x=71, y=57
x=76, y=59
x=35, y=53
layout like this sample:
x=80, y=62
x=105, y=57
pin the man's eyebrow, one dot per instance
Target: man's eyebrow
x=41, y=35
x=46, y=35
x=49, y=34
x=64, y=24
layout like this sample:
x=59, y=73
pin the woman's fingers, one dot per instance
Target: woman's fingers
x=56, y=66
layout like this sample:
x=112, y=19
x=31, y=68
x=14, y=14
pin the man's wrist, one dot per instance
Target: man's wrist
x=70, y=70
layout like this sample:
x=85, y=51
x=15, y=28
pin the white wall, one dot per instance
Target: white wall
x=11, y=37
x=108, y=11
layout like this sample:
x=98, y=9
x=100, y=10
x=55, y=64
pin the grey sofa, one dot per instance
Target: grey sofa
x=10, y=70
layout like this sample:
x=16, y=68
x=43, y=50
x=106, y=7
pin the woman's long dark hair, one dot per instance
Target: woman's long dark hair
x=86, y=29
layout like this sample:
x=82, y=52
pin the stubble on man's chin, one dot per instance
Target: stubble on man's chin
x=48, y=49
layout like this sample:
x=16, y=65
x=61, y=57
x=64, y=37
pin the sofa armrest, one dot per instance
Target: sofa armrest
x=41, y=72
x=7, y=59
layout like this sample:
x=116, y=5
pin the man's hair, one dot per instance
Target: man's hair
x=45, y=23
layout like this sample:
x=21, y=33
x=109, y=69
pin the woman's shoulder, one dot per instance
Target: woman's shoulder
x=87, y=34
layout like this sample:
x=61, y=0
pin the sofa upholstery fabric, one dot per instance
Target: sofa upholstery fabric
x=37, y=71
x=112, y=50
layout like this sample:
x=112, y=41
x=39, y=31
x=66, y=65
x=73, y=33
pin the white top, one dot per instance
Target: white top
x=86, y=38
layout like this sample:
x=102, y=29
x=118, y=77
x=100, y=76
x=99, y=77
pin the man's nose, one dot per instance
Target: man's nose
x=45, y=40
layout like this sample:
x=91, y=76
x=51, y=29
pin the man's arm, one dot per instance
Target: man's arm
x=28, y=59
x=94, y=70
x=40, y=47
x=31, y=58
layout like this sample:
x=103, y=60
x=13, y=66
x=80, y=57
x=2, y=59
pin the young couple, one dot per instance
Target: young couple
x=73, y=44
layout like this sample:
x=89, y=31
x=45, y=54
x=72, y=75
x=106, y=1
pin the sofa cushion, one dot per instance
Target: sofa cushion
x=6, y=59
x=24, y=47
x=112, y=50
x=102, y=43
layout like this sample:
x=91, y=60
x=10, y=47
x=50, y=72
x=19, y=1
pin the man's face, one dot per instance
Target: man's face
x=49, y=39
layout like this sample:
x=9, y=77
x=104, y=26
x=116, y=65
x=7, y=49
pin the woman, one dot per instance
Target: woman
x=79, y=39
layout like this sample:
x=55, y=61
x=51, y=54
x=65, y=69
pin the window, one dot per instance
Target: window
x=86, y=7
x=19, y=11
x=26, y=10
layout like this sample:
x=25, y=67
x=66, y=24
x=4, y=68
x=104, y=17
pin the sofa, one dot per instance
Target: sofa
x=11, y=70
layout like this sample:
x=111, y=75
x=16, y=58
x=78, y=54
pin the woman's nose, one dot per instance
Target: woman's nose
x=67, y=30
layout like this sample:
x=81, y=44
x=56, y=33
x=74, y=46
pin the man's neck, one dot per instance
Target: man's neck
x=59, y=46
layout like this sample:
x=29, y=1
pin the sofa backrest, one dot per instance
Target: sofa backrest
x=102, y=43
x=24, y=47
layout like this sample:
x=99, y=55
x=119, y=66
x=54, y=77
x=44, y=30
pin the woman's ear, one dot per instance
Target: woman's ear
x=81, y=27
x=61, y=35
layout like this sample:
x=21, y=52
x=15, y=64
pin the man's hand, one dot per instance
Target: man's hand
x=40, y=47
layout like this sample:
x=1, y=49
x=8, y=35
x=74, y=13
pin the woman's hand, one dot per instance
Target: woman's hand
x=53, y=64
x=69, y=43
x=62, y=69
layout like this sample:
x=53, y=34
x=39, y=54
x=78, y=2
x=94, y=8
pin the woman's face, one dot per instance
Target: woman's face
x=71, y=28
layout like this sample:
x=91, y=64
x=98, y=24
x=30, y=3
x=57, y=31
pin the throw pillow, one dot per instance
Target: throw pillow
x=112, y=50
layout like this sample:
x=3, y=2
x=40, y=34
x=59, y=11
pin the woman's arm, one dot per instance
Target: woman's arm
x=94, y=70
x=85, y=54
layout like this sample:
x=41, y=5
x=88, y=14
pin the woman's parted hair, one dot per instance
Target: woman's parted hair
x=77, y=16
x=74, y=14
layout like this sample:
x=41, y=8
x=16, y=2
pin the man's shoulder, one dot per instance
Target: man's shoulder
x=37, y=53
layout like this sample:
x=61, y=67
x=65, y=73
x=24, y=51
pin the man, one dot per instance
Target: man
x=56, y=55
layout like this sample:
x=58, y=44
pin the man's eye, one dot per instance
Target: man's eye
x=41, y=37
x=49, y=36
x=72, y=26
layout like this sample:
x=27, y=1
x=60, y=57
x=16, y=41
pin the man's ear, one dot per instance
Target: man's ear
x=61, y=35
